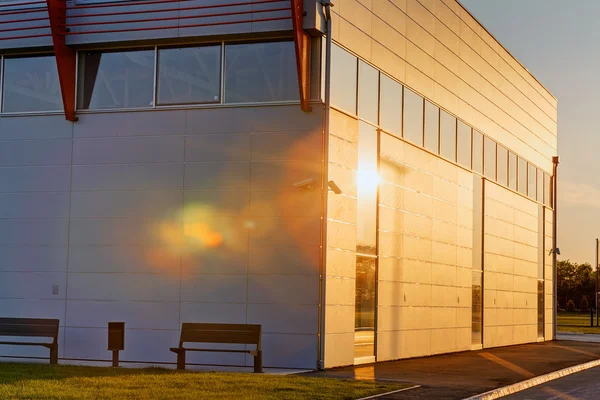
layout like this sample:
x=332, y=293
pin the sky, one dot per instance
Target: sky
x=558, y=41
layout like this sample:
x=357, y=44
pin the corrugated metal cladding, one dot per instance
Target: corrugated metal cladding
x=157, y=214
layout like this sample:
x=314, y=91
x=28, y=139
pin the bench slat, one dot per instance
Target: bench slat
x=29, y=321
x=28, y=330
x=219, y=337
x=49, y=345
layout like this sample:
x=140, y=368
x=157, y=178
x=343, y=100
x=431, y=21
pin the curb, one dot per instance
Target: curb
x=529, y=383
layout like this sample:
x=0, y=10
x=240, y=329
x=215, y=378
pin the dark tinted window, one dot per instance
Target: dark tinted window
x=121, y=79
x=262, y=72
x=477, y=152
x=531, y=181
x=522, y=172
x=547, y=190
x=390, y=108
x=432, y=127
x=540, y=185
x=31, y=84
x=189, y=75
x=413, y=117
x=512, y=171
x=447, y=135
x=463, y=145
x=368, y=92
x=489, y=158
x=502, y=165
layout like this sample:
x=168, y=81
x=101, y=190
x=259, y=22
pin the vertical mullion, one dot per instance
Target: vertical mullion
x=222, y=88
x=155, y=83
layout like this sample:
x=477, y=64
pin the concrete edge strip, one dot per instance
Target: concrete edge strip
x=529, y=383
x=388, y=393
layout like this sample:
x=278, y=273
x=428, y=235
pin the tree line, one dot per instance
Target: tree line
x=576, y=285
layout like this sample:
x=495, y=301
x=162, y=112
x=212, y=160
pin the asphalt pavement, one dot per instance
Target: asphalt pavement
x=583, y=385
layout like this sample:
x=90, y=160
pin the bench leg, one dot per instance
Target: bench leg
x=181, y=360
x=54, y=354
x=258, y=362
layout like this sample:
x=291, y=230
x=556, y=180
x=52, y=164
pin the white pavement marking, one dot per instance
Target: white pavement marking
x=529, y=383
x=388, y=393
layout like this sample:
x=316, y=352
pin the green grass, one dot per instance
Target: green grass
x=579, y=329
x=35, y=381
x=576, y=323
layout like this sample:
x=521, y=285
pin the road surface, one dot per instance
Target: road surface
x=580, y=386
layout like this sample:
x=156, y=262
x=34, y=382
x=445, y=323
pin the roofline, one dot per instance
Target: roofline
x=505, y=49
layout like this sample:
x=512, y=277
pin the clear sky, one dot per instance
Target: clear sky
x=559, y=42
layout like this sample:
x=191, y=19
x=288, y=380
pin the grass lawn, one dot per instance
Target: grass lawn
x=37, y=381
x=572, y=322
x=579, y=329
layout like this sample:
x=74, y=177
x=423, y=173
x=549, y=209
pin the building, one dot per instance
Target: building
x=169, y=161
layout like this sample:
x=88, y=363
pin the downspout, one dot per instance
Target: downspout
x=555, y=162
x=327, y=4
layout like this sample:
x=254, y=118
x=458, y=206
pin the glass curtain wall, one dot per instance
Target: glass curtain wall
x=366, y=241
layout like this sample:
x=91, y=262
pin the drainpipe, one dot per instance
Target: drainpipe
x=327, y=4
x=555, y=162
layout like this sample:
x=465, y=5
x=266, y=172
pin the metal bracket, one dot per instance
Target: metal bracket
x=302, y=44
x=66, y=57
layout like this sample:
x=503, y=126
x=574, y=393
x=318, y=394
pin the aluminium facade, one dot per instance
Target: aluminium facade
x=411, y=217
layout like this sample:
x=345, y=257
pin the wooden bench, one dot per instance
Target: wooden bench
x=219, y=333
x=32, y=327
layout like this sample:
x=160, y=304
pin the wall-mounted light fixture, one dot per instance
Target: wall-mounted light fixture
x=334, y=187
x=306, y=184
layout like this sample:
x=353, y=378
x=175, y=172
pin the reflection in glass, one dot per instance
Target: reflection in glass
x=116, y=79
x=390, y=108
x=261, y=72
x=447, y=136
x=522, y=173
x=540, y=186
x=489, y=158
x=540, y=310
x=31, y=84
x=189, y=75
x=502, y=174
x=366, y=241
x=364, y=320
x=547, y=190
x=432, y=127
x=463, y=145
x=343, y=80
x=367, y=182
x=477, y=152
x=476, y=309
x=531, y=181
x=413, y=117
x=512, y=171
x=368, y=92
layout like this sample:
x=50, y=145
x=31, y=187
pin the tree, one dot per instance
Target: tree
x=574, y=281
x=584, y=305
x=570, y=305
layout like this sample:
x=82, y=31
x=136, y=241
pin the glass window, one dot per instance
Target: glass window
x=522, y=172
x=463, y=145
x=547, y=190
x=502, y=165
x=432, y=127
x=364, y=317
x=512, y=171
x=489, y=158
x=447, y=135
x=31, y=84
x=120, y=79
x=366, y=241
x=189, y=75
x=476, y=308
x=390, y=105
x=477, y=152
x=343, y=79
x=367, y=183
x=413, y=117
x=540, y=186
x=368, y=92
x=262, y=72
x=531, y=181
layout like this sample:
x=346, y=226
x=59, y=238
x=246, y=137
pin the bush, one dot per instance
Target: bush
x=570, y=305
x=584, y=305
